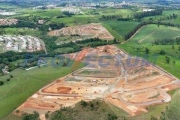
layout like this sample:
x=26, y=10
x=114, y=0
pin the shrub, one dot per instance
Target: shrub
x=1, y=83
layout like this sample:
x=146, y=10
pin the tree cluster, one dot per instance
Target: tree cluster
x=167, y=41
x=141, y=15
x=110, y=17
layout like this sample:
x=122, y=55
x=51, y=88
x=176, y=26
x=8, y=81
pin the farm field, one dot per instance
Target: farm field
x=25, y=83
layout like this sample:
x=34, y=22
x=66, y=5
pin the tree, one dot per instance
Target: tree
x=168, y=59
x=59, y=116
x=84, y=104
x=173, y=47
x=1, y=83
x=147, y=51
x=11, y=76
x=34, y=116
x=162, y=52
x=47, y=115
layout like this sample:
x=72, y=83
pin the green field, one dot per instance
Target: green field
x=64, y=50
x=20, y=31
x=172, y=112
x=165, y=14
x=26, y=83
x=152, y=32
x=147, y=35
x=109, y=11
x=121, y=27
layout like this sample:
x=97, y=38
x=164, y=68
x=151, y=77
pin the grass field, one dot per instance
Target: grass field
x=165, y=14
x=42, y=13
x=172, y=112
x=20, y=31
x=24, y=84
x=109, y=11
x=121, y=27
x=151, y=32
x=64, y=50
x=153, y=111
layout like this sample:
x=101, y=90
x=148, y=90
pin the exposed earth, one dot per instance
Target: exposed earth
x=110, y=74
x=89, y=30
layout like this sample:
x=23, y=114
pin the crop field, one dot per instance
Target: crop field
x=24, y=84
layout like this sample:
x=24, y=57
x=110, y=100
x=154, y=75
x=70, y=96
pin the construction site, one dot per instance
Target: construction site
x=127, y=82
x=92, y=30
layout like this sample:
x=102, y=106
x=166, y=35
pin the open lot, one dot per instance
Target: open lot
x=8, y=21
x=130, y=83
x=83, y=32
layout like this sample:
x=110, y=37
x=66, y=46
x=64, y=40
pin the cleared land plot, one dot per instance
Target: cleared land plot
x=93, y=30
x=130, y=90
x=97, y=73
